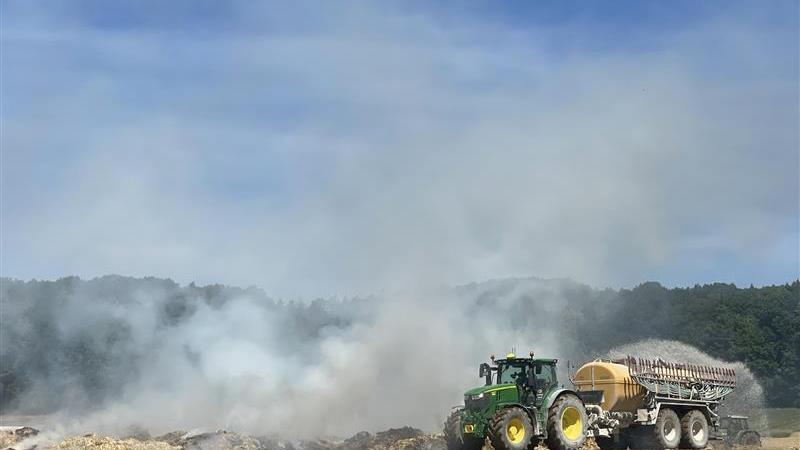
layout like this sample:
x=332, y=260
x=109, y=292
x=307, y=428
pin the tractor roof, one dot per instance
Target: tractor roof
x=512, y=358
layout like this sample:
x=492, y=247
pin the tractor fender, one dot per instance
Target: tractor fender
x=553, y=395
x=532, y=412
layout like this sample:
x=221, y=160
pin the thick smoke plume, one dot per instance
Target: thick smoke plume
x=115, y=352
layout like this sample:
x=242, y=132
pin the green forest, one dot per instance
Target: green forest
x=757, y=326
x=70, y=341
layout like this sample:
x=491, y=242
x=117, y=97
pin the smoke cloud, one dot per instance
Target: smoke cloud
x=116, y=352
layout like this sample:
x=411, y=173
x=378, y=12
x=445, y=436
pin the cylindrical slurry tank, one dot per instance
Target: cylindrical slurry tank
x=620, y=391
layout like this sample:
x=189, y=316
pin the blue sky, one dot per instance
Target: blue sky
x=339, y=149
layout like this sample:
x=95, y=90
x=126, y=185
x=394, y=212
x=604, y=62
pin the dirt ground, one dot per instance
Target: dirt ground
x=24, y=439
x=791, y=443
x=405, y=438
x=28, y=437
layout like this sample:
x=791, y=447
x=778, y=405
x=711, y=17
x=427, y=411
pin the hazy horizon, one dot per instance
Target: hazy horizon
x=372, y=294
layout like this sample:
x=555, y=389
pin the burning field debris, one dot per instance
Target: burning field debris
x=405, y=438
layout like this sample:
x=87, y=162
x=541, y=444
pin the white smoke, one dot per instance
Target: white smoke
x=152, y=356
x=247, y=365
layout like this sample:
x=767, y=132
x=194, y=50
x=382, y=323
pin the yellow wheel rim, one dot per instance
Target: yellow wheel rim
x=571, y=424
x=515, y=431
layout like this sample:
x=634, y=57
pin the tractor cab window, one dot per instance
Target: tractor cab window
x=735, y=425
x=510, y=373
x=544, y=374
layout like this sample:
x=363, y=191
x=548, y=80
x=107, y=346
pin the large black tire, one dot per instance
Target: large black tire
x=511, y=429
x=454, y=436
x=750, y=438
x=667, y=430
x=694, y=430
x=566, y=423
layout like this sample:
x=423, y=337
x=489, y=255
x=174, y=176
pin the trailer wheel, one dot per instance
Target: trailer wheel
x=566, y=423
x=694, y=430
x=454, y=435
x=667, y=430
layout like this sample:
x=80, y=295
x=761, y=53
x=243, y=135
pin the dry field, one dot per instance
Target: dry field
x=21, y=433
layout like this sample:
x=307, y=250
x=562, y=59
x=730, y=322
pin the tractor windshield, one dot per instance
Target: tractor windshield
x=510, y=373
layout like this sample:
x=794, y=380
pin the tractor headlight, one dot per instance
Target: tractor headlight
x=478, y=396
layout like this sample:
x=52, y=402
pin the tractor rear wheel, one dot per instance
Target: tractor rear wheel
x=454, y=434
x=694, y=430
x=511, y=429
x=566, y=423
x=667, y=430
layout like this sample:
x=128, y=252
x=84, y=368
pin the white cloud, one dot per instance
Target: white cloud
x=380, y=148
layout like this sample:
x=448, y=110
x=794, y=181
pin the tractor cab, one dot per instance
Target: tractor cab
x=533, y=377
x=730, y=425
x=538, y=372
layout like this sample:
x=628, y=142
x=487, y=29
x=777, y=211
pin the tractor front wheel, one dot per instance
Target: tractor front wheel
x=511, y=429
x=566, y=423
x=454, y=434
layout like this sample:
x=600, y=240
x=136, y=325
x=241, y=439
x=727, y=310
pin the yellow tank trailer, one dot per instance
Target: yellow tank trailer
x=620, y=392
x=651, y=403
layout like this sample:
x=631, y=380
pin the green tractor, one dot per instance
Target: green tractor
x=520, y=403
x=735, y=430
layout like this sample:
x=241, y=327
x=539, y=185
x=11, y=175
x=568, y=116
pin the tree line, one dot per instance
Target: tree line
x=73, y=340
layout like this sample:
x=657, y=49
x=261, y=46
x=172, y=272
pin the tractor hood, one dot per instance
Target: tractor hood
x=494, y=387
